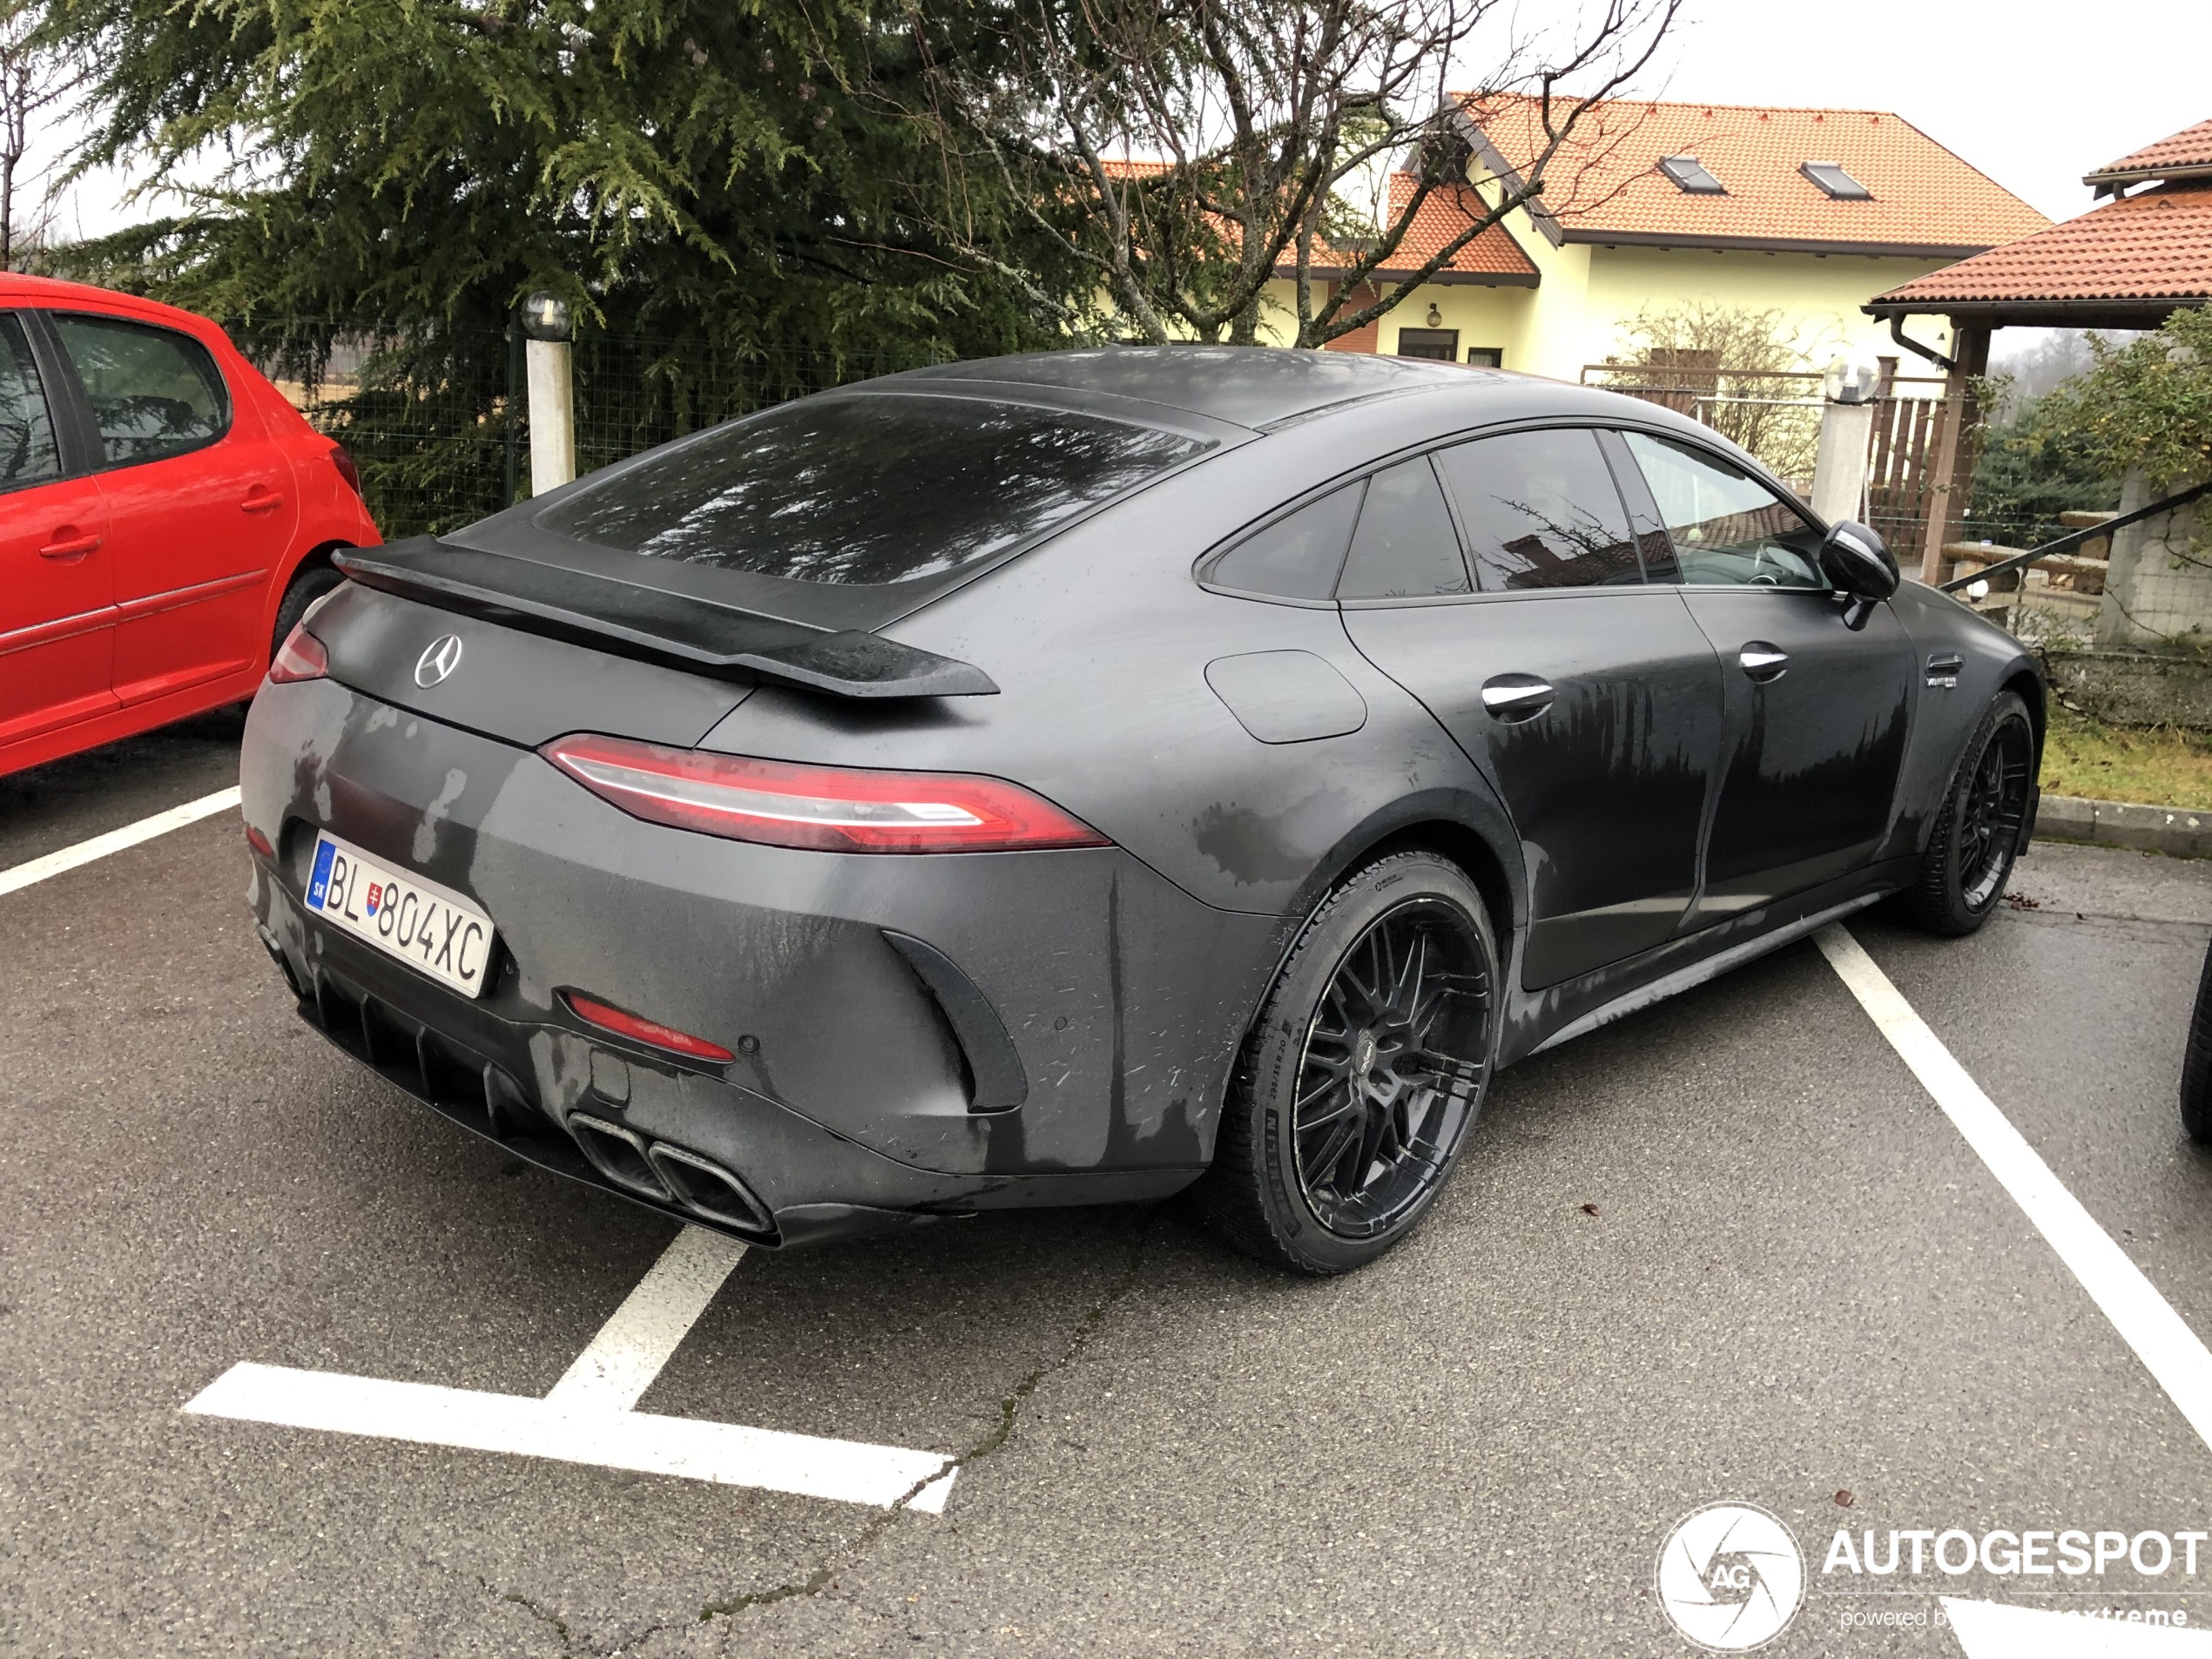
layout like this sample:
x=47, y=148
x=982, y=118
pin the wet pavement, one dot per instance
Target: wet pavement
x=1727, y=1249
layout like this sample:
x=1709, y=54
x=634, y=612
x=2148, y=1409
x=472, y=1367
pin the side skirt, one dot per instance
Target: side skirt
x=1695, y=974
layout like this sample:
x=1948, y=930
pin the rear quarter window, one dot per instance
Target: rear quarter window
x=1297, y=557
x=868, y=489
x=153, y=392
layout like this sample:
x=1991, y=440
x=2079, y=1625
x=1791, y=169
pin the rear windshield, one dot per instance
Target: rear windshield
x=867, y=490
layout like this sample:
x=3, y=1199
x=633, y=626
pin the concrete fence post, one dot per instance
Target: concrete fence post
x=1846, y=438
x=2157, y=590
x=552, y=392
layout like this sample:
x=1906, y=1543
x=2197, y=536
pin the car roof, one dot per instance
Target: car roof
x=1248, y=386
x=20, y=289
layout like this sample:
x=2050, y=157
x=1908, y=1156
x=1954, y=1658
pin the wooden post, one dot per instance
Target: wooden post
x=1953, y=461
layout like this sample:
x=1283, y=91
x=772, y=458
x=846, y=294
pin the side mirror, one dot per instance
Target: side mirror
x=1858, y=563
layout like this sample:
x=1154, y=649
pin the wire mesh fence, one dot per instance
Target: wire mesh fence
x=438, y=421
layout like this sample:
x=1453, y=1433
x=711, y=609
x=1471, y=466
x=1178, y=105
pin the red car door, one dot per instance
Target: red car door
x=200, y=503
x=57, y=616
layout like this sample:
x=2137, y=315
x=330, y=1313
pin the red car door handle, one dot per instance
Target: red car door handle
x=66, y=545
x=261, y=499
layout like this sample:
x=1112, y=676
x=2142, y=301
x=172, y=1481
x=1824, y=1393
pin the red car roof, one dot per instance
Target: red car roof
x=52, y=291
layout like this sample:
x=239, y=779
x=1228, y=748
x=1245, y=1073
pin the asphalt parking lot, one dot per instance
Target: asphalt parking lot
x=1728, y=1249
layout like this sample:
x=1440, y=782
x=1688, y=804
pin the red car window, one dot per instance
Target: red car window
x=28, y=452
x=154, y=393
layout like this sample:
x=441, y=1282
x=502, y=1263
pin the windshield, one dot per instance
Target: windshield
x=867, y=490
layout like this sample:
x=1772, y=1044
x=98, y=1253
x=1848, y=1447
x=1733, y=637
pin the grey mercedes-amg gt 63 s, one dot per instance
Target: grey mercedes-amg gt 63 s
x=1081, y=776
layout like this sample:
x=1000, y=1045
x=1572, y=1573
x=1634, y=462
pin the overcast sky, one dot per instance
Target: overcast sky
x=2032, y=93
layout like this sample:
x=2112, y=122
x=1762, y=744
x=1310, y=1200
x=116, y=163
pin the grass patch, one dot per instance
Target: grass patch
x=2161, y=765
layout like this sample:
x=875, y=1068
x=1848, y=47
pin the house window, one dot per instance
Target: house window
x=1690, y=175
x=1831, y=177
x=1486, y=356
x=1442, y=344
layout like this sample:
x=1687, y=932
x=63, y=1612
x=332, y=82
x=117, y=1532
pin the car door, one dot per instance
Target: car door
x=1589, y=699
x=1818, y=708
x=201, y=504
x=56, y=618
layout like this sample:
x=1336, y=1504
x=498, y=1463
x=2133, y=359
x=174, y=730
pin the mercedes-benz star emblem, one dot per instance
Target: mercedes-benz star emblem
x=440, y=658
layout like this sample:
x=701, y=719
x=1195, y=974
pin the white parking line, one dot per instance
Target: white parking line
x=587, y=1418
x=632, y=1347
x=19, y=876
x=2163, y=1340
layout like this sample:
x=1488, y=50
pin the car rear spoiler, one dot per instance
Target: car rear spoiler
x=663, y=627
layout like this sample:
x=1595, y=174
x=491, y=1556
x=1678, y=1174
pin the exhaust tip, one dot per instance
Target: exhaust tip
x=620, y=1156
x=707, y=1189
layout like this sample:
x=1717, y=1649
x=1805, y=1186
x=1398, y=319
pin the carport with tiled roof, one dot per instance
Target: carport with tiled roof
x=2129, y=263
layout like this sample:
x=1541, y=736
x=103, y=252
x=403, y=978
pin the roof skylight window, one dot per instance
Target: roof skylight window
x=1690, y=175
x=1831, y=177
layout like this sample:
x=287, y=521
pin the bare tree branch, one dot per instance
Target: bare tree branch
x=35, y=77
x=1195, y=151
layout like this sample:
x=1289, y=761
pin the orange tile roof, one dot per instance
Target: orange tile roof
x=1492, y=258
x=1444, y=215
x=1604, y=185
x=2154, y=245
x=2186, y=152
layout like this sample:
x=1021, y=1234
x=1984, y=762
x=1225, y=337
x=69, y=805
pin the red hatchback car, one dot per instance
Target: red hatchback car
x=164, y=517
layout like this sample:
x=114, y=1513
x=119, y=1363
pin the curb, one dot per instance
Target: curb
x=2178, y=831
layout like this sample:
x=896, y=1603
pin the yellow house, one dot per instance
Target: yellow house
x=1652, y=206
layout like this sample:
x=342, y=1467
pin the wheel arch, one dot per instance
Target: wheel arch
x=1472, y=831
x=2026, y=682
x=1466, y=848
x=316, y=557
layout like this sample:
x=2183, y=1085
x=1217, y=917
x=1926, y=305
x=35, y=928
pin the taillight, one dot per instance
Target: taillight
x=258, y=842
x=348, y=469
x=301, y=658
x=640, y=1030
x=837, y=809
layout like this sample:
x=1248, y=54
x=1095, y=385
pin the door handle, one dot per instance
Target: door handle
x=1763, y=662
x=68, y=545
x=261, y=499
x=1515, y=698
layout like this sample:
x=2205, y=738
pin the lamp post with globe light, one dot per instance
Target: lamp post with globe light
x=552, y=392
x=1846, y=434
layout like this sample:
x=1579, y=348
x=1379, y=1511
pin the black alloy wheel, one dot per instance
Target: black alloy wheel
x=1393, y=1064
x=1978, y=835
x=1366, y=1068
x=1989, y=828
x=2196, y=1062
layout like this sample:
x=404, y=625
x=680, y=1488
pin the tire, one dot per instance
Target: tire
x=1382, y=1028
x=312, y=580
x=2196, y=1063
x=1977, y=831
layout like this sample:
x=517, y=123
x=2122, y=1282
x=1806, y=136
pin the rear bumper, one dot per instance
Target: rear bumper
x=862, y=1097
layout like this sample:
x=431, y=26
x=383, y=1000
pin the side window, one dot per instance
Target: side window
x=153, y=392
x=1540, y=510
x=1297, y=557
x=1405, y=547
x=28, y=452
x=1728, y=529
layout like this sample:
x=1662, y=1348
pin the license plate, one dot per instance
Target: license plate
x=438, y=933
